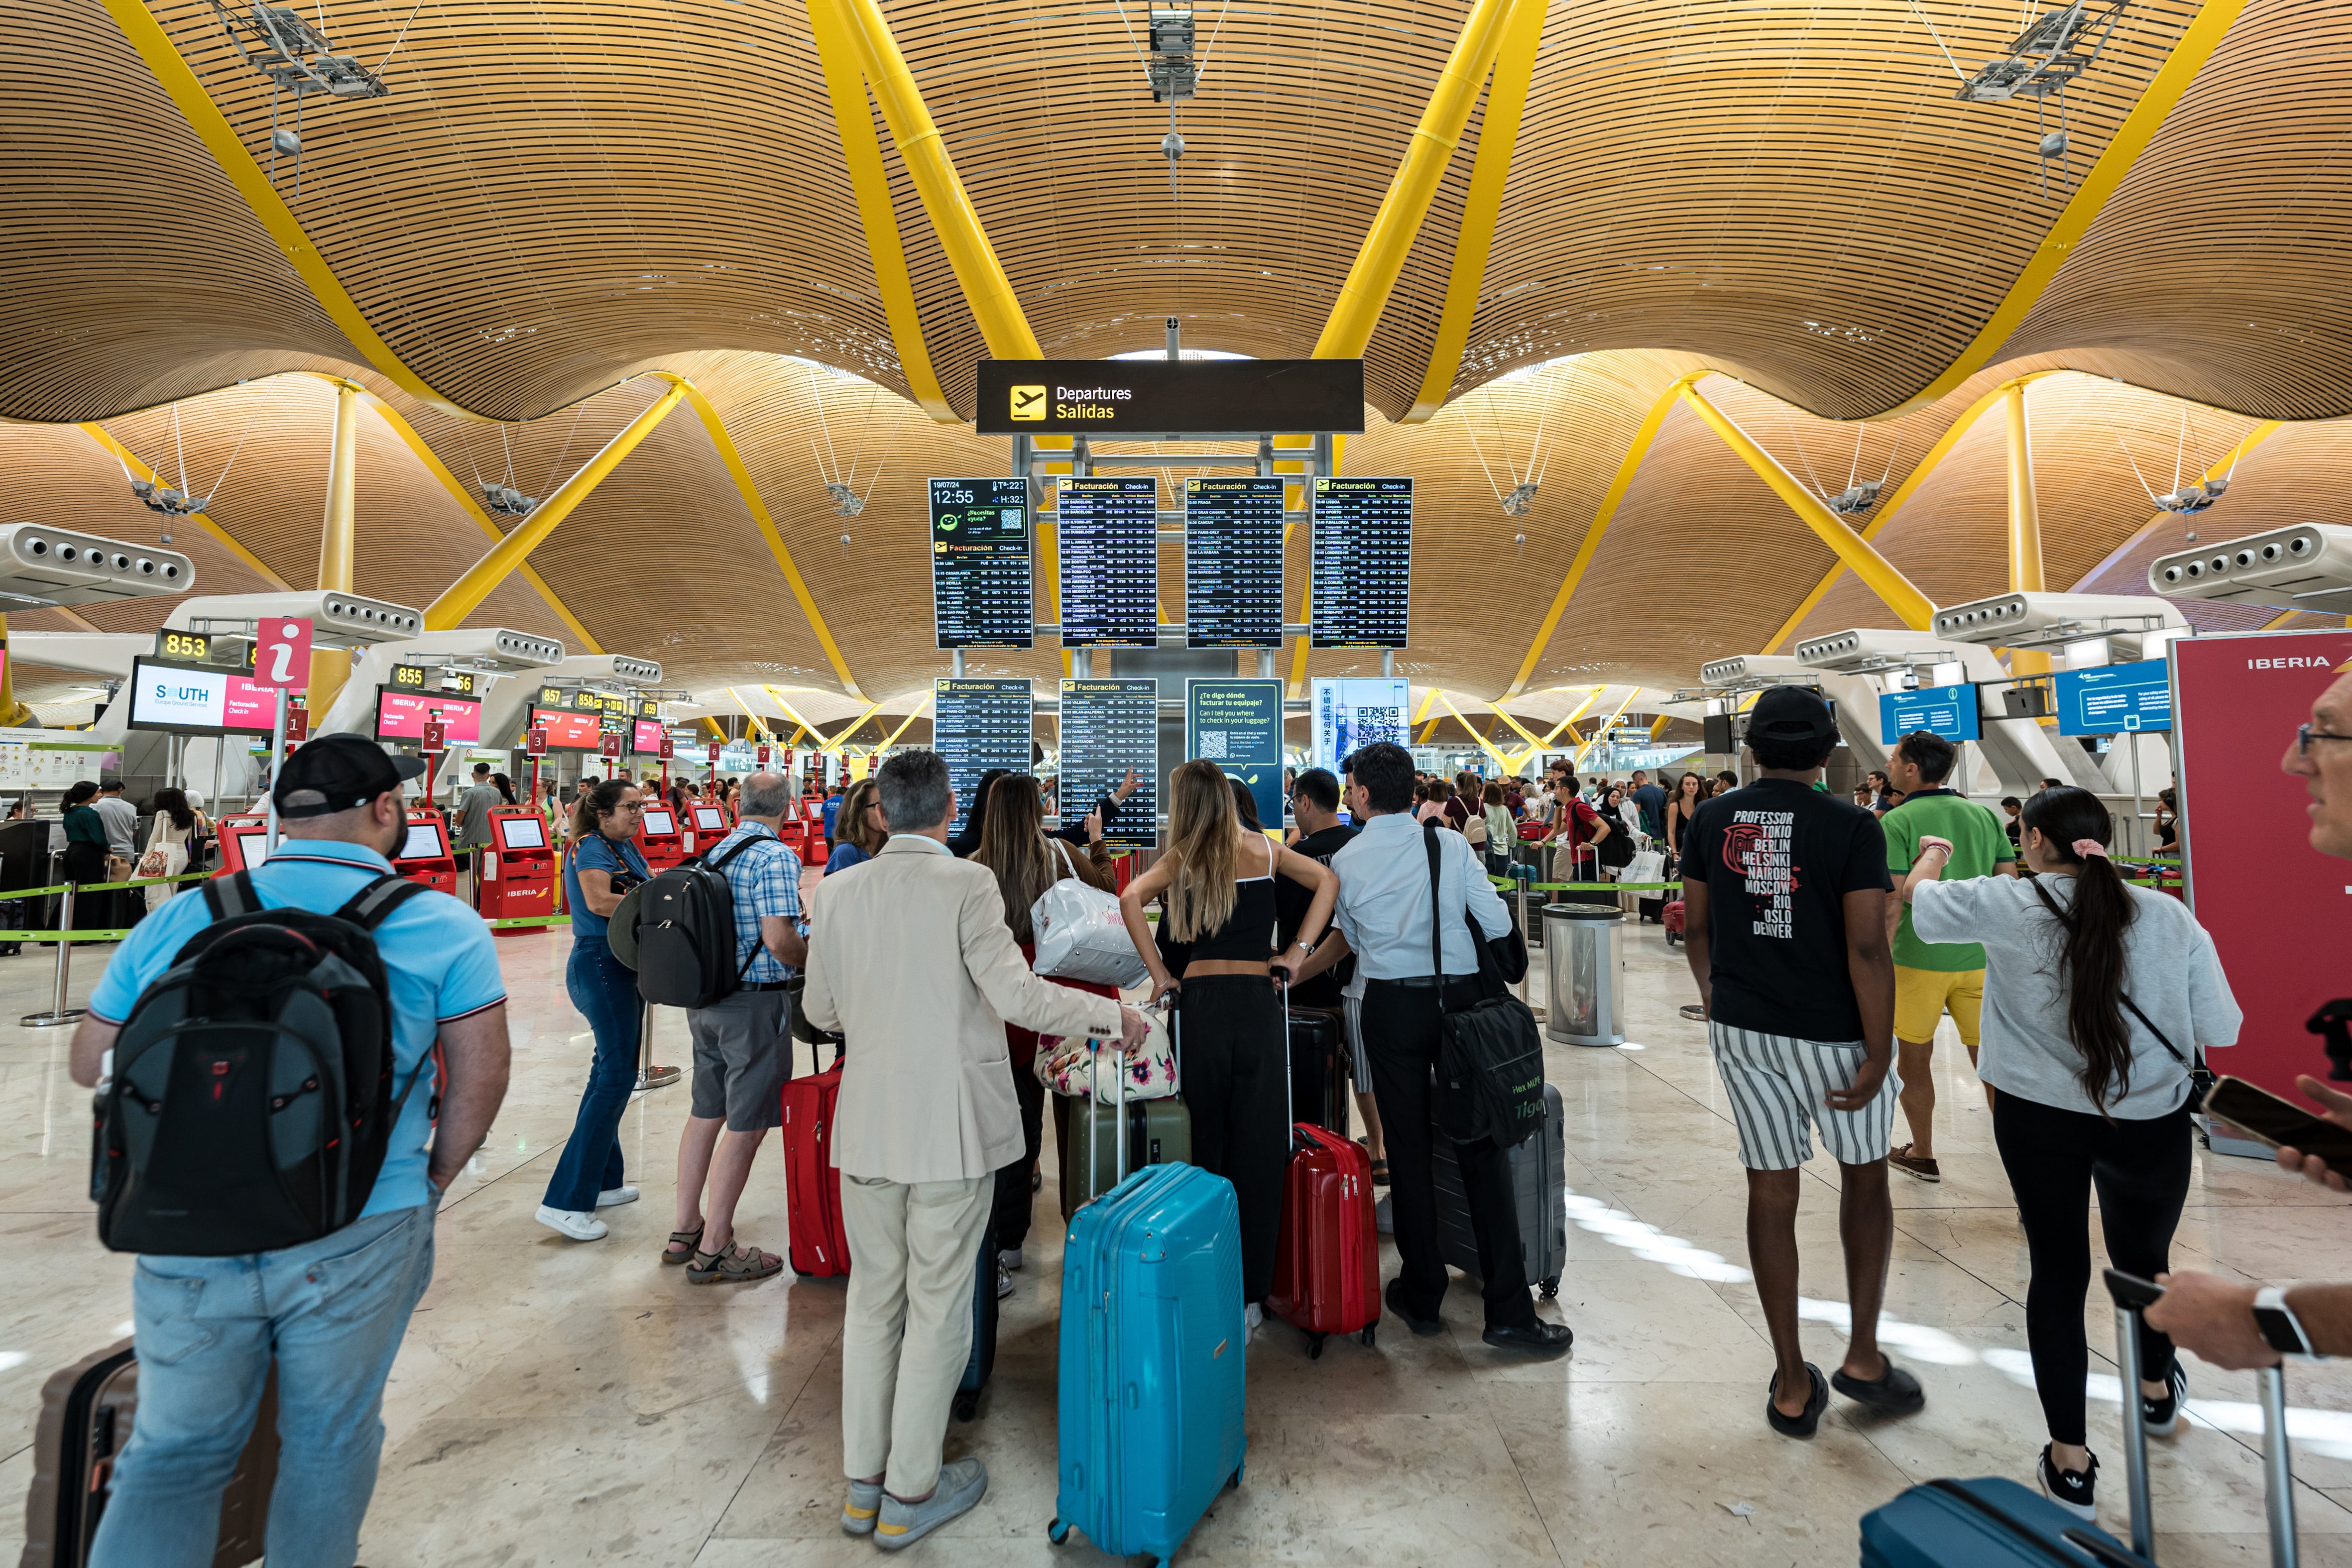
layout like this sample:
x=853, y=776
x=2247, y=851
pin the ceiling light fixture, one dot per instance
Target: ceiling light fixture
x=2044, y=59
x=297, y=56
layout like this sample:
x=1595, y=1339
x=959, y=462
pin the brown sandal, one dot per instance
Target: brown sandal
x=734, y=1266
x=686, y=1238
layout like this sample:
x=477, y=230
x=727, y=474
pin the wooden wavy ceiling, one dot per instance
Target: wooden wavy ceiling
x=553, y=200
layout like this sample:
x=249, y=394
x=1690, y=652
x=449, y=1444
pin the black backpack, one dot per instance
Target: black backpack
x=252, y=1097
x=685, y=934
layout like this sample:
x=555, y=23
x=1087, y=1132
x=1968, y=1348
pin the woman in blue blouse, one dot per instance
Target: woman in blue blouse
x=859, y=830
x=600, y=865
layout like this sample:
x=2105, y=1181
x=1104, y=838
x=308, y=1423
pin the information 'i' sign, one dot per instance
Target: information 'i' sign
x=980, y=563
x=1110, y=562
x=1233, y=562
x=1362, y=563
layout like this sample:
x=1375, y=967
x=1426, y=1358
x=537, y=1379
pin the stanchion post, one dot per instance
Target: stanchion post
x=277, y=760
x=59, y=1012
x=648, y=1075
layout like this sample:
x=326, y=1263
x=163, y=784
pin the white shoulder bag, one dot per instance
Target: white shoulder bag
x=1079, y=934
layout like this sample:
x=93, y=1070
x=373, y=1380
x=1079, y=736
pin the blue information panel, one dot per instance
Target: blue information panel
x=978, y=725
x=1947, y=711
x=1238, y=724
x=1352, y=712
x=2118, y=698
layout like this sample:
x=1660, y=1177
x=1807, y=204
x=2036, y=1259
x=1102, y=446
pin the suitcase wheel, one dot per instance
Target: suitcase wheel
x=967, y=1406
x=1058, y=1532
x=1551, y=1287
x=1315, y=1347
x=1236, y=1483
x=1367, y=1336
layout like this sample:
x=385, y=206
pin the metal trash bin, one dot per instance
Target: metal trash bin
x=1584, y=973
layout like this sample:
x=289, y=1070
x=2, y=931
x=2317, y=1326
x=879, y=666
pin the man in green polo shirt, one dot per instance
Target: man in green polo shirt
x=1932, y=978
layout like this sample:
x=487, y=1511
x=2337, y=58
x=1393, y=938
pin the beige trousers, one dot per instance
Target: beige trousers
x=907, y=1328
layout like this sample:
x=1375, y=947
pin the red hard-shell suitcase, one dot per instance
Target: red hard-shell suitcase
x=1327, y=1257
x=1671, y=917
x=87, y=1413
x=811, y=1187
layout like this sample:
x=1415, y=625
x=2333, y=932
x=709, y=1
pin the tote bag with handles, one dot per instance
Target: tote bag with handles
x=1079, y=933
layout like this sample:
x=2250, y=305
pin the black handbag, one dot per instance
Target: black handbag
x=1490, y=1070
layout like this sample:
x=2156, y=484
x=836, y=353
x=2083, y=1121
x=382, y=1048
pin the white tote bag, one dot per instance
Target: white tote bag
x=1647, y=865
x=1079, y=933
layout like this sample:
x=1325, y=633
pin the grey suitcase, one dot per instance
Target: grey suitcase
x=1538, y=1181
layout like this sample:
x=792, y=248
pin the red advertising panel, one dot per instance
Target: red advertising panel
x=402, y=715
x=282, y=651
x=568, y=731
x=2272, y=903
x=645, y=737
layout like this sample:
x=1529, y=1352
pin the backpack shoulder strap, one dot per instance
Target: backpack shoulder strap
x=1436, y=943
x=230, y=896
x=372, y=905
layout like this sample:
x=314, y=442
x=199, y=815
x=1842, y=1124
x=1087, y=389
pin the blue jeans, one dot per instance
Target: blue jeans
x=332, y=1312
x=606, y=992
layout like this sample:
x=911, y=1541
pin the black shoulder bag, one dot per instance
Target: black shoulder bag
x=2200, y=1077
x=1490, y=1070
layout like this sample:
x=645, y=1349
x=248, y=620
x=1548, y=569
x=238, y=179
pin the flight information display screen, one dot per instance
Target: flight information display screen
x=1232, y=563
x=977, y=725
x=1110, y=562
x=1362, y=561
x=1108, y=728
x=980, y=563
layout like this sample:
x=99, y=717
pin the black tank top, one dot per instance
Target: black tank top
x=1247, y=934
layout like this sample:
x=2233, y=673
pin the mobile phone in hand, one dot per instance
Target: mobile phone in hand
x=2268, y=1119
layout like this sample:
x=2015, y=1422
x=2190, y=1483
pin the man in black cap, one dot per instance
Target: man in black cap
x=1785, y=889
x=331, y=1312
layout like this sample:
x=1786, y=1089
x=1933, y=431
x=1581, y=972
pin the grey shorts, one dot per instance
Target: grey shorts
x=1360, y=1060
x=742, y=1054
x=1778, y=1087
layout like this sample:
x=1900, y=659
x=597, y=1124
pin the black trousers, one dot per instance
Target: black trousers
x=1009, y=1216
x=1400, y=1036
x=1231, y=1056
x=2052, y=1157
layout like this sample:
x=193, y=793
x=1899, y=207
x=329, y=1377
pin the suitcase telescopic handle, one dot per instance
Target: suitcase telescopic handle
x=2132, y=1296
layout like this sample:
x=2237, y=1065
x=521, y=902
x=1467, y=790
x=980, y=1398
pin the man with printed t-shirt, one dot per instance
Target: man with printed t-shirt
x=1786, y=892
x=1932, y=978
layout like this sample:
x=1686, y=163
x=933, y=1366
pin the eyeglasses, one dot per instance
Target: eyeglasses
x=2304, y=734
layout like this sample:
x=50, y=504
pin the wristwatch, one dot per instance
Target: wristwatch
x=2280, y=1329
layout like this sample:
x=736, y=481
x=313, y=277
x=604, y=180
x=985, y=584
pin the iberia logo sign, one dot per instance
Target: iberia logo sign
x=1029, y=402
x=2300, y=662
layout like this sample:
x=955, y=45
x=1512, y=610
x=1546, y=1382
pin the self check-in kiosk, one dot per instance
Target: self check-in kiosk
x=243, y=842
x=709, y=827
x=517, y=870
x=424, y=854
x=661, y=838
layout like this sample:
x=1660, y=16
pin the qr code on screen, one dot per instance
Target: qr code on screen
x=1212, y=745
x=1379, y=720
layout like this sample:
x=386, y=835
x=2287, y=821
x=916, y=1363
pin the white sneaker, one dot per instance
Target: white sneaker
x=1010, y=1257
x=612, y=1196
x=1252, y=1315
x=579, y=1226
x=1004, y=1282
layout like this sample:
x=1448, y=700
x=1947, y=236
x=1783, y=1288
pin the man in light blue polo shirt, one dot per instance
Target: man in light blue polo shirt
x=330, y=1311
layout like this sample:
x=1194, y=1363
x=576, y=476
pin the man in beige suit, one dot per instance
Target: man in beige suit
x=909, y=957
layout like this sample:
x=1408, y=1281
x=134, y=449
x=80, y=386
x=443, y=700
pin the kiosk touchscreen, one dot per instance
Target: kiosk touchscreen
x=243, y=844
x=424, y=855
x=660, y=838
x=518, y=877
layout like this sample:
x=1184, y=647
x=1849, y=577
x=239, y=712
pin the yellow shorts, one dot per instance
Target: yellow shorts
x=1922, y=996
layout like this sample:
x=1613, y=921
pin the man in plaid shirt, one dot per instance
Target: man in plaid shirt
x=743, y=1043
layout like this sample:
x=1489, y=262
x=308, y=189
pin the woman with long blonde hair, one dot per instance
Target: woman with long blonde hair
x=1219, y=881
x=1014, y=846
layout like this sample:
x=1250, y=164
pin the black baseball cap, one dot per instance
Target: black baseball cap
x=1791, y=713
x=337, y=772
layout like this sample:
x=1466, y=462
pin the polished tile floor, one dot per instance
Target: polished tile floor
x=556, y=1403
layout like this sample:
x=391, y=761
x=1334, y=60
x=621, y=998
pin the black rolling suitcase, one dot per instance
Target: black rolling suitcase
x=983, y=1331
x=1538, y=1190
x=1318, y=1068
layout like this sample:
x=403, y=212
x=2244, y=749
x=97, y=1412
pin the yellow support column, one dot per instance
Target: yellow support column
x=920, y=148
x=1877, y=573
x=2024, y=522
x=463, y=597
x=1365, y=295
x=329, y=668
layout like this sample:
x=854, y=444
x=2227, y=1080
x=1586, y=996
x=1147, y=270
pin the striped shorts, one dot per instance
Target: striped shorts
x=1360, y=1060
x=1778, y=1087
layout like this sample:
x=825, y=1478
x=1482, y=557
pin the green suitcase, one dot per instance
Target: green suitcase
x=1158, y=1131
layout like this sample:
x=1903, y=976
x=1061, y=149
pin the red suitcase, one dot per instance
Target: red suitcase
x=811, y=1187
x=1327, y=1259
x=1673, y=918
